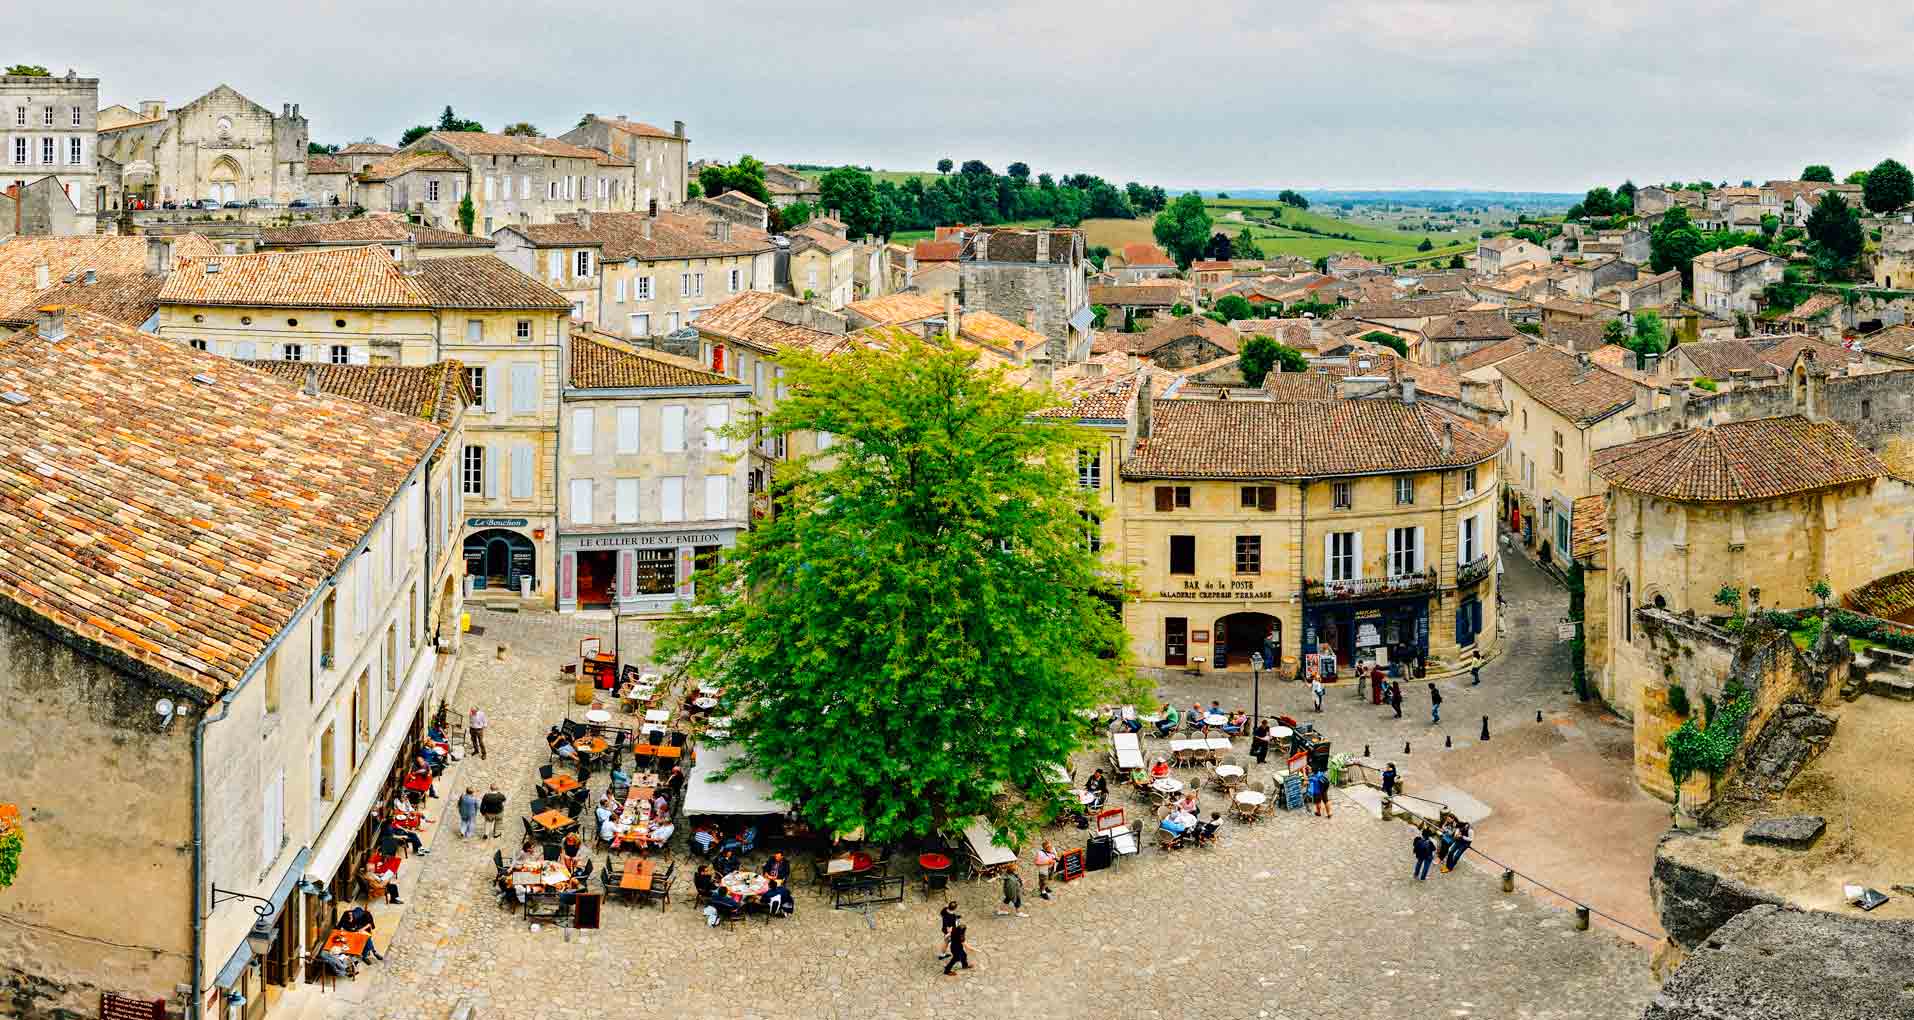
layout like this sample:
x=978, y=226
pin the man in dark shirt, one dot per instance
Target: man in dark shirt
x=1425, y=850
x=957, y=953
x=777, y=899
x=946, y=919
x=360, y=919
x=492, y=809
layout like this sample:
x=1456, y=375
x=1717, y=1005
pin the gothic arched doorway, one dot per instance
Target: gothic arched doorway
x=222, y=183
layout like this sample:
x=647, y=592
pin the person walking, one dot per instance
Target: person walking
x=1319, y=793
x=1475, y=675
x=1316, y=689
x=468, y=813
x=1435, y=704
x=475, y=724
x=1458, y=845
x=1425, y=849
x=1389, y=780
x=492, y=807
x=1395, y=697
x=1259, y=742
x=946, y=920
x=1013, y=893
x=1046, y=866
x=958, y=951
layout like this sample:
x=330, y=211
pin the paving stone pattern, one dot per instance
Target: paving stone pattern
x=1293, y=917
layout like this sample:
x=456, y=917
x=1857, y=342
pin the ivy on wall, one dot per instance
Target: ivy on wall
x=1709, y=747
x=12, y=841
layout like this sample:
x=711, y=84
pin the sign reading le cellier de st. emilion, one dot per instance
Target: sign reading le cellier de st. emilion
x=1221, y=590
x=674, y=538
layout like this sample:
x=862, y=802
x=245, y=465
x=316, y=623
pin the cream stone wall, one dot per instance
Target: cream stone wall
x=600, y=460
x=395, y=336
x=1532, y=427
x=827, y=275
x=222, y=146
x=672, y=305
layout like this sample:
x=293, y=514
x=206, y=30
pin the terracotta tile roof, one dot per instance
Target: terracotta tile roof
x=939, y=251
x=737, y=198
x=1164, y=333
x=1815, y=306
x=1886, y=597
x=374, y=229
x=1143, y=253
x=1646, y=281
x=1293, y=387
x=434, y=393
x=487, y=143
x=408, y=161
x=1717, y=359
x=1266, y=439
x=812, y=237
x=1892, y=342
x=365, y=277
x=1212, y=266
x=1292, y=333
x=1469, y=326
x=674, y=235
x=320, y=163
x=1012, y=245
x=891, y=309
x=1137, y=295
x=1570, y=306
x=549, y=234
x=126, y=298
x=180, y=524
x=1579, y=337
x=598, y=363
x=1761, y=458
x=1584, y=394
x=1780, y=351
x=1588, y=528
x=367, y=149
x=1621, y=361
x=106, y=254
x=1732, y=260
x=636, y=127
x=759, y=318
x=997, y=331
x=1411, y=308
x=1107, y=398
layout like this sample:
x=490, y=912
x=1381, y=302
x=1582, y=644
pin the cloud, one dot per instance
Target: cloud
x=1521, y=95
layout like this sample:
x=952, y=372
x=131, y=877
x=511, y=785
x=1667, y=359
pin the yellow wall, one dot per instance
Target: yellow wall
x=1532, y=427
x=406, y=336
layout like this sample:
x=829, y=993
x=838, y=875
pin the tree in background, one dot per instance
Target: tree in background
x=28, y=71
x=1256, y=358
x=693, y=190
x=1183, y=229
x=1651, y=337
x=1625, y=195
x=1835, y=236
x=796, y=214
x=1179, y=309
x=1235, y=306
x=1389, y=340
x=1857, y=177
x=1456, y=261
x=1598, y=202
x=975, y=168
x=1889, y=186
x=413, y=134
x=746, y=175
x=1244, y=246
x=1426, y=245
x=1291, y=198
x=1218, y=248
x=1019, y=172
x=523, y=129
x=449, y=121
x=949, y=597
x=1818, y=172
x=1614, y=332
x=851, y=193
x=1674, y=243
x=944, y=165
x=320, y=149
x=468, y=214
x=1099, y=314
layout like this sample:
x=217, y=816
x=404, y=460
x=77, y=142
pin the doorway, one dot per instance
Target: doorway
x=597, y=578
x=1176, y=641
x=1241, y=635
x=496, y=558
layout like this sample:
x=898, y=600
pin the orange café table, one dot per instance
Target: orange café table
x=591, y=745
x=561, y=784
x=637, y=876
x=352, y=942
x=553, y=819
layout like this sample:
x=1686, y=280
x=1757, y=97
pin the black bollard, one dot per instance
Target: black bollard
x=1448, y=741
x=1485, y=727
x=1365, y=750
x=1538, y=715
x=1405, y=747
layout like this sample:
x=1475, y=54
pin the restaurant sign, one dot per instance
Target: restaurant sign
x=1213, y=589
x=669, y=539
x=496, y=522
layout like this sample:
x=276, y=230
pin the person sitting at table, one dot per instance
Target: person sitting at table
x=391, y=834
x=608, y=812
x=1097, y=786
x=724, y=902
x=726, y=862
x=705, y=837
x=660, y=805
x=1166, y=720
x=572, y=843
x=428, y=758
x=1159, y=768
x=382, y=878
x=360, y=919
x=778, y=867
x=1216, y=707
x=528, y=854
x=1206, y=831
x=777, y=899
x=422, y=776
x=560, y=744
x=1237, y=720
x=660, y=833
x=703, y=882
x=1196, y=715
x=1176, y=822
x=1188, y=804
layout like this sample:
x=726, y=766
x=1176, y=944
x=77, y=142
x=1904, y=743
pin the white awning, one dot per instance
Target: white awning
x=983, y=843
x=741, y=794
x=331, y=846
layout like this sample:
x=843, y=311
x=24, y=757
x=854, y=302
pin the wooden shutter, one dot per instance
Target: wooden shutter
x=1420, y=550
x=489, y=465
x=628, y=430
x=522, y=464
x=1266, y=497
x=1165, y=499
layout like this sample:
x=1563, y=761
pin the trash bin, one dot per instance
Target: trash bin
x=465, y=623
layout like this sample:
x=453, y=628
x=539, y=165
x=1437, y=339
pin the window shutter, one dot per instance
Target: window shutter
x=1461, y=540
x=717, y=497
x=1165, y=499
x=522, y=471
x=581, y=501
x=359, y=356
x=671, y=498
x=1329, y=554
x=628, y=430
x=716, y=416
x=490, y=465
x=489, y=391
x=674, y=428
x=1266, y=497
x=583, y=421
x=1419, y=549
x=525, y=389
x=627, y=496
x=1357, y=574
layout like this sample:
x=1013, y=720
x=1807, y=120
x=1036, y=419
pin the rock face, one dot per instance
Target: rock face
x=1694, y=901
x=1803, y=965
x=1795, y=832
x=1792, y=737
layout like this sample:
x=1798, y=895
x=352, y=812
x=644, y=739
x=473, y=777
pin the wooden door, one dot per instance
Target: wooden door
x=1176, y=641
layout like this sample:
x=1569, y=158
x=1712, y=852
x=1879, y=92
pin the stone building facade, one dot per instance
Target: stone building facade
x=1895, y=258
x=48, y=129
x=1731, y=281
x=522, y=180
x=657, y=157
x=1035, y=277
x=1561, y=409
x=221, y=146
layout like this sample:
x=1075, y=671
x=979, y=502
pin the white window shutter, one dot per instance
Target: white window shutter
x=1357, y=576
x=522, y=465
x=716, y=416
x=717, y=497
x=491, y=473
x=358, y=356
x=581, y=501
x=1329, y=556
x=1419, y=549
x=626, y=490
x=583, y=421
x=491, y=391
x=674, y=428
x=1461, y=534
x=628, y=430
x=671, y=498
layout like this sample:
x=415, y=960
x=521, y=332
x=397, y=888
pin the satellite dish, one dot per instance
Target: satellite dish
x=164, y=708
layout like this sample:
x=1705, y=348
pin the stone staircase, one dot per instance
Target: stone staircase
x=1883, y=672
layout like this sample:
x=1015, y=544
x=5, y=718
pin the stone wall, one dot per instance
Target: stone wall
x=103, y=897
x=1187, y=352
x=1691, y=898
x=1878, y=407
x=1772, y=961
x=1012, y=289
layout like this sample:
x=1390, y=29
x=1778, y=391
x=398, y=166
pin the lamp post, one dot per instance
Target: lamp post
x=1256, y=688
x=260, y=938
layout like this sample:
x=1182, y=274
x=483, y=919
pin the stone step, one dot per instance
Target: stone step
x=1891, y=685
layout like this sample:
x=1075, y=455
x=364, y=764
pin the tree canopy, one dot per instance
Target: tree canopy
x=1835, y=235
x=1244, y=246
x=1183, y=228
x=1674, y=243
x=1291, y=198
x=1261, y=354
x=944, y=165
x=468, y=214
x=449, y=121
x=523, y=129
x=28, y=71
x=1818, y=172
x=1235, y=306
x=850, y=191
x=746, y=175
x=907, y=642
x=1888, y=187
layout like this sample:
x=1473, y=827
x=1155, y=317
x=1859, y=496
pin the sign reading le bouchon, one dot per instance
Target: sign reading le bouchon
x=1217, y=590
x=496, y=522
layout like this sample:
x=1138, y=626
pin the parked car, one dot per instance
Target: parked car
x=235, y=205
x=299, y=203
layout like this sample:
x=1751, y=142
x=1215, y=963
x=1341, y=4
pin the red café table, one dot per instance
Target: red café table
x=933, y=862
x=350, y=943
x=419, y=782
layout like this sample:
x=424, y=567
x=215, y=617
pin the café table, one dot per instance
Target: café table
x=561, y=783
x=637, y=875
x=855, y=862
x=1281, y=733
x=1249, y=803
x=745, y=883
x=348, y=943
x=590, y=745
x=1168, y=786
x=541, y=875
x=657, y=715
x=1214, y=719
x=598, y=716
x=1086, y=798
x=552, y=820
x=705, y=702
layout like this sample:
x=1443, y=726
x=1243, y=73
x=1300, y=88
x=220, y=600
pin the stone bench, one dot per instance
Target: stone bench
x=1891, y=685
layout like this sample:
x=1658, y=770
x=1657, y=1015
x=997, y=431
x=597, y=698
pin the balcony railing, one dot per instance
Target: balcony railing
x=1370, y=587
x=1474, y=570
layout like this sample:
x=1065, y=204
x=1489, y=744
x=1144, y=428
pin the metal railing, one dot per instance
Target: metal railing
x=1415, y=583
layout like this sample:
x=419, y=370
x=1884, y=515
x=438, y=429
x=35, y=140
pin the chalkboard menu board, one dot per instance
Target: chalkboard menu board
x=585, y=910
x=1070, y=865
x=1293, y=790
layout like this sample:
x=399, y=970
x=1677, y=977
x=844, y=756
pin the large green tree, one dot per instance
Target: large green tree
x=524, y=129
x=907, y=642
x=850, y=191
x=28, y=71
x=1183, y=228
x=1835, y=235
x=1234, y=307
x=746, y=175
x=1674, y=243
x=1818, y=172
x=1889, y=186
x=1244, y=246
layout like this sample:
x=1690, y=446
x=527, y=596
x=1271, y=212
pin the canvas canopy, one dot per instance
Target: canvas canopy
x=741, y=794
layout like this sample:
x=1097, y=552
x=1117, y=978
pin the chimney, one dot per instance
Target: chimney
x=1145, y=401
x=159, y=256
x=1043, y=246
x=311, y=388
x=678, y=129
x=951, y=317
x=51, y=323
x=295, y=110
x=644, y=225
x=1447, y=438
x=1655, y=366
x=983, y=246
x=1016, y=352
x=1582, y=366
x=584, y=219
x=19, y=192
x=285, y=109
x=1739, y=377
x=42, y=276
x=652, y=210
x=1045, y=369
x=1408, y=391
x=409, y=255
x=1528, y=342
x=1093, y=370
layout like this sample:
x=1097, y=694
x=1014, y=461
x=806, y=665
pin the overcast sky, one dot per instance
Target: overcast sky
x=1361, y=94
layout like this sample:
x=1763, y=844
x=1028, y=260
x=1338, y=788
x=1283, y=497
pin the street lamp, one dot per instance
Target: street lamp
x=260, y=939
x=1256, y=690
